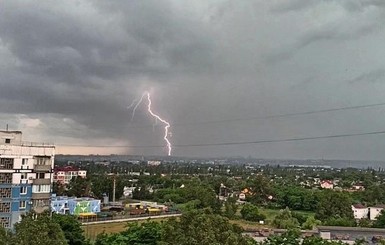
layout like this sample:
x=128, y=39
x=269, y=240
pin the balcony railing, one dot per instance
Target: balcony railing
x=44, y=167
x=40, y=209
x=41, y=181
x=41, y=195
x=37, y=144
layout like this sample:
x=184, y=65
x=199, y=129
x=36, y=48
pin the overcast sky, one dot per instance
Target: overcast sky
x=70, y=69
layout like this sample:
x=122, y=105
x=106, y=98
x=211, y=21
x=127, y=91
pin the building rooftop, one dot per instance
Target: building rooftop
x=358, y=205
x=66, y=169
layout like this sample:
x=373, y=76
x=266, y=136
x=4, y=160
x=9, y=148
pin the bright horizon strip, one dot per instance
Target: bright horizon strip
x=162, y=120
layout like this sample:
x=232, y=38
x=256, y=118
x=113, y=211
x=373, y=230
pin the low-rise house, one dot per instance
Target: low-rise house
x=327, y=184
x=75, y=206
x=375, y=211
x=63, y=175
x=360, y=211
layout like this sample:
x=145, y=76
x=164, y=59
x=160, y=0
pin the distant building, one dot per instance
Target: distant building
x=375, y=211
x=327, y=184
x=25, y=177
x=64, y=175
x=128, y=191
x=360, y=211
x=75, y=206
x=154, y=163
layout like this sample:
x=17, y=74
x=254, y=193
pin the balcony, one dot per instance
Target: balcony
x=41, y=181
x=41, y=195
x=40, y=209
x=42, y=168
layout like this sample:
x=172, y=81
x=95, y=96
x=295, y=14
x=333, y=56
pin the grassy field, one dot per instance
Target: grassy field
x=270, y=215
x=91, y=231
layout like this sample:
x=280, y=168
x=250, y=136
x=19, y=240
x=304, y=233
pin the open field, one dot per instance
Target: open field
x=92, y=230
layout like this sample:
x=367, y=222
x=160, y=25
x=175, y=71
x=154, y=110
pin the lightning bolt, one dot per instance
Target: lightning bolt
x=157, y=118
x=136, y=105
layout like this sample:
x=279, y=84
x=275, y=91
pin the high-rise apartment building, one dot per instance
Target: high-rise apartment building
x=25, y=177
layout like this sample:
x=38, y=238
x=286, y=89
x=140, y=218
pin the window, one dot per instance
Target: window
x=7, y=141
x=40, y=175
x=40, y=203
x=5, y=222
x=24, y=161
x=22, y=204
x=5, y=193
x=23, y=190
x=41, y=160
x=5, y=178
x=6, y=163
x=5, y=207
x=23, y=176
x=41, y=189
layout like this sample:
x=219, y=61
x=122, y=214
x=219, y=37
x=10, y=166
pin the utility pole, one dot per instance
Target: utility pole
x=113, y=190
x=114, y=185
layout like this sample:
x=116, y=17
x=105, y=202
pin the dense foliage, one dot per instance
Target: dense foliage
x=196, y=227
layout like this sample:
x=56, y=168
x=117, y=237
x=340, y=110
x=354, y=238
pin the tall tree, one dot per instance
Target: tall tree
x=71, y=228
x=5, y=236
x=203, y=228
x=79, y=187
x=231, y=207
x=39, y=229
x=285, y=220
x=380, y=221
x=334, y=205
x=148, y=233
x=250, y=212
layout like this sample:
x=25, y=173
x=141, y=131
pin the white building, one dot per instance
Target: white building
x=375, y=211
x=64, y=175
x=25, y=176
x=360, y=211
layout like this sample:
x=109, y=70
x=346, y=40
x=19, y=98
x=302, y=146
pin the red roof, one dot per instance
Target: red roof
x=358, y=205
x=66, y=169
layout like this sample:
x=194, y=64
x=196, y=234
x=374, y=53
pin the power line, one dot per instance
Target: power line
x=272, y=116
x=237, y=142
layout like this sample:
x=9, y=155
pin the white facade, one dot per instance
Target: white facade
x=360, y=212
x=25, y=176
x=64, y=175
x=374, y=212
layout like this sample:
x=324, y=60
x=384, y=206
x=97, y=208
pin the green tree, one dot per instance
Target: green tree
x=71, y=228
x=364, y=223
x=203, y=228
x=380, y=221
x=38, y=229
x=291, y=237
x=250, y=212
x=334, y=205
x=5, y=236
x=231, y=207
x=310, y=223
x=79, y=187
x=147, y=233
x=299, y=216
x=261, y=189
x=285, y=220
x=58, y=188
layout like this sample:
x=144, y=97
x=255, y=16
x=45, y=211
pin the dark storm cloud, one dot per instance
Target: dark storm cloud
x=77, y=59
x=369, y=77
x=69, y=69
